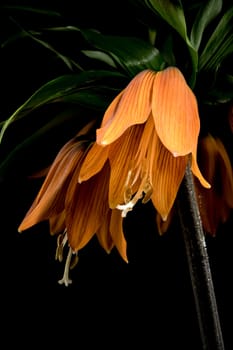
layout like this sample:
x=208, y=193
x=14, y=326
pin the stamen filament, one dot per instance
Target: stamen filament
x=65, y=279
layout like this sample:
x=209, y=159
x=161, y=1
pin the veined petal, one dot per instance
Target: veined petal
x=226, y=173
x=103, y=233
x=86, y=207
x=216, y=203
x=122, y=158
x=162, y=225
x=93, y=162
x=196, y=171
x=145, y=140
x=50, y=199
x=217, y=167
x=128, y=108
x=65, y=149
x=175, y=112
x=57, y=223
x=167, y=176
x=230, y=117
x=116, y=229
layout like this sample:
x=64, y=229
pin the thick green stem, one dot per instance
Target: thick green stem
x=199, y=267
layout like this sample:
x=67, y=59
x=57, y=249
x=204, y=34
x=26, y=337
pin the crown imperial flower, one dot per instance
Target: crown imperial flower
x=148, y=133
x=215, y=204
x=76, y=212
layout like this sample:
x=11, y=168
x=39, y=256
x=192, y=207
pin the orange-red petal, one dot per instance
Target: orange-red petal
x=86, y=207
x=175, y=112
x=122, y=157
x=103, y=233
x=167, y=176
x=196, y=171
x=215, y=203
x=116, y=229
x=93, y=162
x=130, y=107
x=50, y=199
x=57, y=223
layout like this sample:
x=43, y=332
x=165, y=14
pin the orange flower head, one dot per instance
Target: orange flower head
x=147, y=134
x=215, y=204
x=76, y=211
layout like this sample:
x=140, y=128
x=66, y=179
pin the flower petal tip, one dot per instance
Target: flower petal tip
x=175, y=154
x=102, y=142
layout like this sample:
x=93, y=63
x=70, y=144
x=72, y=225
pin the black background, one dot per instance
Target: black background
x=146, y=303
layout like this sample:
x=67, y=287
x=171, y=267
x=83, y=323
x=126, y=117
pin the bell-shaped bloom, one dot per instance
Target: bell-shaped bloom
x=76, y=211
x=230, y=117
x=147, y=134
x=215, y=204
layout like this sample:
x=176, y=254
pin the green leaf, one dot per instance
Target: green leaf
x=219, y=45
x=68, y=62
x=46, y=140
x=35, y=36
x=101, y=56
x=173, y=14
x=208, y=11
x=93, y=97
x=56, y=90
x=131, y=54
x=222, y=92
x=30, y=10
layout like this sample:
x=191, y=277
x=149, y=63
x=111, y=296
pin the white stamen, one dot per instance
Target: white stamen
x=65, y=279
x=125, y=208
x=65, y=238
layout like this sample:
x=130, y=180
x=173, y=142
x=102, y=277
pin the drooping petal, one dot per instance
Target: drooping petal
x=226, y=173
x=215, y=203
x=131, y=107
x=86, y=207
x=175, y=112
x=196, y=171
x=50, y=199
x=162, y=225
x=116, y=229
x=122, y=156
x=93, y=162
x=230, y=117
x=103, y=233
x=167, y=176
x=57, y=223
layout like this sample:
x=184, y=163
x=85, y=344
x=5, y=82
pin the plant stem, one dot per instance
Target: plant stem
x=199, y=267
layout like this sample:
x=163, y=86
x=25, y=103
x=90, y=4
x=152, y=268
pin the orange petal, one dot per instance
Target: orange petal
x=215, y=203
x=50, y=199
x=122, y=157
x=130, y=107
x=205, y=199
x=57, y=223
x=118, y=234
x=162, y=225
x=175, y=112
x=86, y=207
x=167, y=176
x=230, y=117
x=196, y=171
x=226, y=173
x=93, y=162
x=103, y=234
